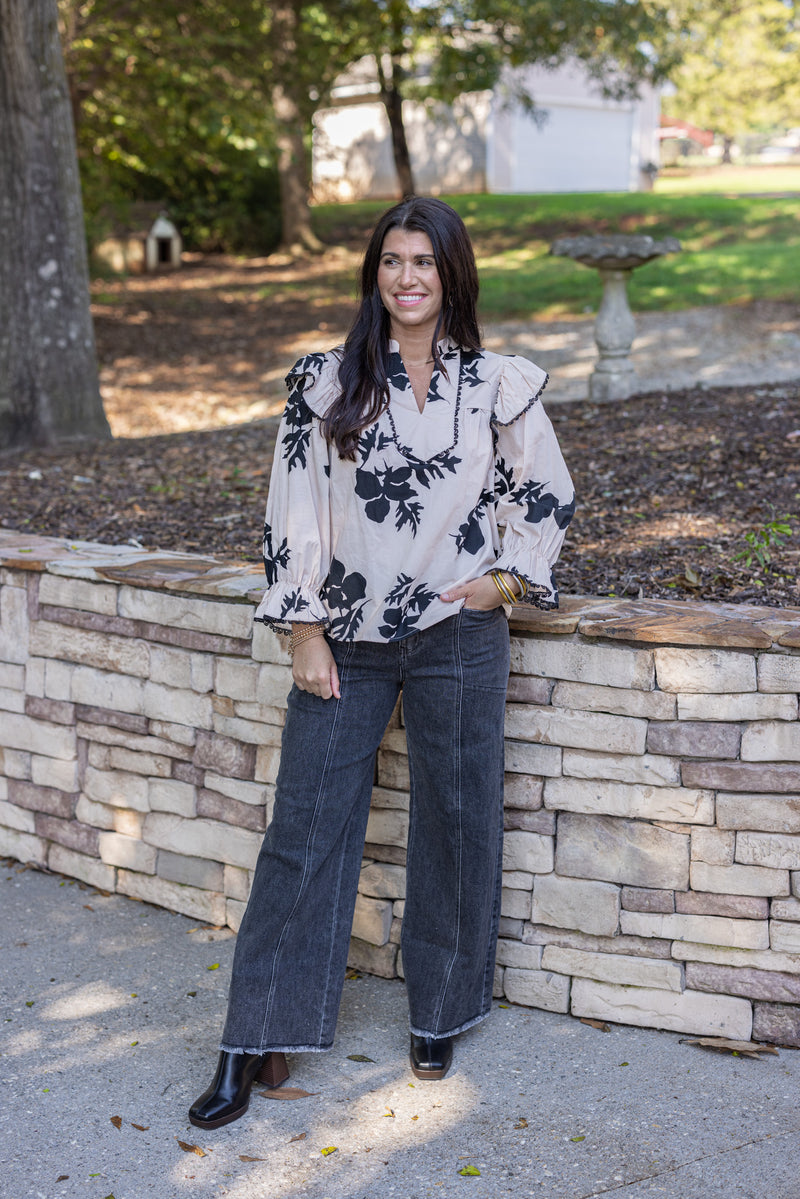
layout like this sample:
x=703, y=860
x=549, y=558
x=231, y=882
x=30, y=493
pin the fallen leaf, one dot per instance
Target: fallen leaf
x=286, y=1093
x=521, y=1122
x=141, y=1127
x=470, y=1171
x=351, y=974
x=359, y=1057
x=214, y=967
x=88, y=907
x=117, y=1121
x=62, y=1178
x=601, y=1024
x=737, y=1048
x=244, y=1158
x=388, y=1114
x=191, y=993
x=415, y=1117
x=577, y=1138
x=328, y=1150
x=187, y=1148
x=301, y=1136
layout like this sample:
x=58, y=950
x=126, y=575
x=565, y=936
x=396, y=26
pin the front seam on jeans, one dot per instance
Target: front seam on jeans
x=309, y=842
x=457, y=791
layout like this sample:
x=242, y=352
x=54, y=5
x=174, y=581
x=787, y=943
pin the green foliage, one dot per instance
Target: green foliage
x=762, y=541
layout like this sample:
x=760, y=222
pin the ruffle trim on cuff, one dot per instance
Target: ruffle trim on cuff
x=537, y=593
x=285, y=604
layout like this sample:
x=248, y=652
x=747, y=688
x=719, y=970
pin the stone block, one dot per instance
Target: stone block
x=80, y=837
x=207, y=906
x=385, y=797
x=530, y=852
x=689, y=1011
x=645, y=769
x=78, y=593
x=256, y=794
x=231, y=811
x=387, y=826
x=738, y=880
x=179, y=612
x=518, y=880
x=530, y=822
x=510, y=927
x=55, y=710
x=39, y=736
x=24, y=847
x=771, y=985
x=145, y=745
x=11, y=701
x=393, y=770
x=127, y=721
x=743, y=705
x=771, y=741
x=54, y=772
x=16, y=764
x=575, y=729
x=226, y=756
x=515, y=905
x=180, y=707
x=13, y=624
x=236, y=882
x=572, y=903
x=236, y=678
x=119, y=789
x=704, y=670
x=381, y=960
x=182, y=669
x=77, y=865
x=104, y=651
x=196, y=872
x=522, y=689
x=762, y=813
x=114, y=757
x=172, y=795
x=273, y=685
x=742, y=776
x=202, y=839
x=614, y=968
x=603, y=797
x=779, y=850
x=523, y=757
x=174, y=734
x=712, y=930
x=714, y=846
x=234, y=913
x=621, y=851
x=34, y=677
x=694, y=739
x=767, y=959
x=58, y=679
x=12, y=817
x=98, y=688
x=579, y=661
x=385, y=853
x=382, y=881
x=785, y=909
x=784, y=936
x=497, y=983
x=537, y=988
x=523, y=791
x=128, y=852
x=12, y=676
x=101, y=816
x=41, y=799
x=779, y=673
x=268, y=759
x=271, y=719
x=522, y=957
x=269, y=646
x=705, y=903
x=620, y=701
x=251, y=732
x=777, y=1023
x=647, y=899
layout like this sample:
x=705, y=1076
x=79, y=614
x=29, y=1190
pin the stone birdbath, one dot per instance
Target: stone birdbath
x=615, y=257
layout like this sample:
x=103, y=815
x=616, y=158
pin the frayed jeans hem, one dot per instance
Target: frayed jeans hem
x=276, y=1048
x=451, y=1032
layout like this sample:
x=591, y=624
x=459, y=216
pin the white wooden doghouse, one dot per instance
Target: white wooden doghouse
x=147, y=240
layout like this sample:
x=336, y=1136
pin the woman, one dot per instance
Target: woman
x=399, y=457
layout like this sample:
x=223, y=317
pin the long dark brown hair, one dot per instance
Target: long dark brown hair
x=364, y=369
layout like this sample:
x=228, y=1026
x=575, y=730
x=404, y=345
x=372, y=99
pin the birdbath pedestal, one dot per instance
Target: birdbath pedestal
x=615, y=257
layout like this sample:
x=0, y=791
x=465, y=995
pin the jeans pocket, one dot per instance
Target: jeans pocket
x=481, y=613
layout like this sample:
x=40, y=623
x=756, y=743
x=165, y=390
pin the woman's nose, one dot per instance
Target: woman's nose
x=408, y=273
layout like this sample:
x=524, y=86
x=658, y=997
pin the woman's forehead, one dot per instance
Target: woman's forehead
x=410, y=243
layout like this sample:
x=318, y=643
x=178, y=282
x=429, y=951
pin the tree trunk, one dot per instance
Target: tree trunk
x=727, y=146
x=48, y=369
x=297, y=236
x=393, y=103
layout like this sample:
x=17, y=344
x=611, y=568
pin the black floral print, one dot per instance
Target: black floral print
x=406, y=605
x=541, y=504
x=299, y=423
x=274, y=558
x=341, y=592
x=470, y=535
x=385, y=486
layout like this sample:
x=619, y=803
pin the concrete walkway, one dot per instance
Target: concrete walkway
x=112, y=1010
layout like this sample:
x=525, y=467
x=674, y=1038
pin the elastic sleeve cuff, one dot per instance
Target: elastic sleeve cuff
x=536, y=577
x=285, y=604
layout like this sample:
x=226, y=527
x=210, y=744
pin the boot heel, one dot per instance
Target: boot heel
x=274, y=1070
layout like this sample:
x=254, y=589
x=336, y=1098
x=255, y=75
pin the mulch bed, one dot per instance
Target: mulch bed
x=668, y=486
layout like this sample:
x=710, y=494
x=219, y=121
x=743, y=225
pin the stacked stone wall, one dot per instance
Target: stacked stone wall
x=652, y=851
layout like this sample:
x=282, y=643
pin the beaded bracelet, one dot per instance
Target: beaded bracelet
x=503, y=587
x=304, y=633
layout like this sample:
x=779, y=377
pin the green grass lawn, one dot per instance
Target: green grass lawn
x=735, y=248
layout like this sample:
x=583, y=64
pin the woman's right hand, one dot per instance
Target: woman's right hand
x=314, y=668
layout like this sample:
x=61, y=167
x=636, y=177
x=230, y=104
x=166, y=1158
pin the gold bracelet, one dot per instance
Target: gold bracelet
x=304, y=633
x=503, y=587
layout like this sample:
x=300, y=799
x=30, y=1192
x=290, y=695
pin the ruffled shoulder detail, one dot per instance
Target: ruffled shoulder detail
x=316, y=378
x=521, y=384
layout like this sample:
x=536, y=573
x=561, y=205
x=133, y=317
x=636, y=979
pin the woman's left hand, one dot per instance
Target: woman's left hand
x=480, y=593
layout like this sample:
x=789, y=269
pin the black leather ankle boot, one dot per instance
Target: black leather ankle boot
x=431, y=1056
x=228, y=1097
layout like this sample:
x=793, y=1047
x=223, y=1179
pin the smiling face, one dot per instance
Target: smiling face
x=409, y=282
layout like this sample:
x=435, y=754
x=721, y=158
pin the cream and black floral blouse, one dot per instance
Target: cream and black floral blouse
x=473, y=482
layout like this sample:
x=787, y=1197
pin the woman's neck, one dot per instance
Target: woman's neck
x=415, y=347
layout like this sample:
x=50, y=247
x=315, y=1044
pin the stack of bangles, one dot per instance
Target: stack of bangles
x=304, y=632
x=503, y=587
